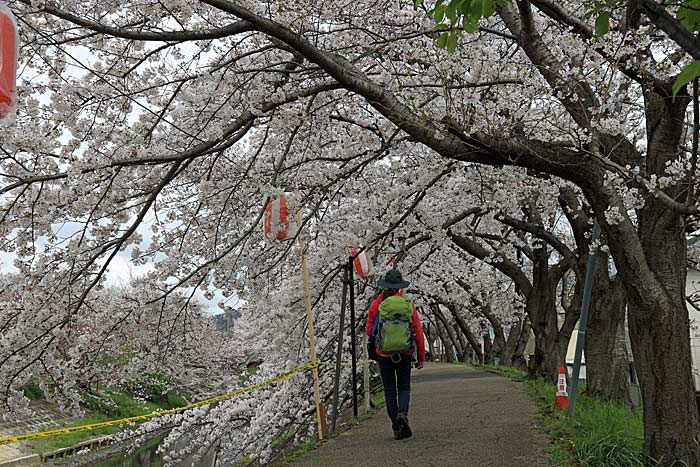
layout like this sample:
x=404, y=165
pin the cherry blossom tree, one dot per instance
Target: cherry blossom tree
x=180, y=117
x=114, y=340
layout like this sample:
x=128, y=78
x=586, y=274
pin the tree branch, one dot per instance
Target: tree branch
x=164, y=36
x=504, y=265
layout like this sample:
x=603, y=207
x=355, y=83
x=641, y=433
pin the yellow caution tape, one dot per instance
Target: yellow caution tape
x=140, y=418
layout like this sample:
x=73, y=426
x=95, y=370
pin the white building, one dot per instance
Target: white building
x=693, y=293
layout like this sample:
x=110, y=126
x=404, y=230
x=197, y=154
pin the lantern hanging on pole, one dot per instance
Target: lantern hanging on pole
x=9, y=49
x=362, y=263
x=277, y=219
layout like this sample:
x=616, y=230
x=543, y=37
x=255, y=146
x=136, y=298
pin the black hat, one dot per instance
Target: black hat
x=393, y=280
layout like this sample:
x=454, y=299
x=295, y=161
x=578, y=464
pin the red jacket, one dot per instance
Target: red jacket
x=415, y=325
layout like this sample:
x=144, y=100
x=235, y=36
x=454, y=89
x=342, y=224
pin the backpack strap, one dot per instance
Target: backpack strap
x=375, y=326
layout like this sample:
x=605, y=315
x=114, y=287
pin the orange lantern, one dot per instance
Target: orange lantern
x=362, y=263
x=276, y=220
x=9, y=44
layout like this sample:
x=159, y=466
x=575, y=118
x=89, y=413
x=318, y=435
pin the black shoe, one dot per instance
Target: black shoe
x=398, y=432
x=402, y=423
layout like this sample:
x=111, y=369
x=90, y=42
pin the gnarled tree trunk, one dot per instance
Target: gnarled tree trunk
x=499, y=338
x=452, y=337
x=653, y=272
x=607, y=362
x=517, y=359
x=541, y=307
x=464, y=328
x=511, y=342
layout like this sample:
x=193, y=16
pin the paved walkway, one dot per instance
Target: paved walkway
x=460, y=417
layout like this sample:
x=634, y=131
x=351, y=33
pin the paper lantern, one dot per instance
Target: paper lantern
x=9, y=43
x=277, y=218
x=362, y=263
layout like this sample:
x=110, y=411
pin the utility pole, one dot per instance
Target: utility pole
x=352, y=339
x=339, y=352
x=583, y=320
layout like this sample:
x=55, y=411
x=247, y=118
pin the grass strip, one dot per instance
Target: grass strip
x=109, y=404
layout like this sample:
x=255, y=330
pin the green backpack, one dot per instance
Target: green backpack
x=395, y=318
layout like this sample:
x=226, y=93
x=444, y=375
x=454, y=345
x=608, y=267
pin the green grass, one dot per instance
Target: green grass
x=512, y=373
x=108, y=404
x=31, y=390
x=128, y=458
x=378, y=398
x=601, y=434
x=305, y=447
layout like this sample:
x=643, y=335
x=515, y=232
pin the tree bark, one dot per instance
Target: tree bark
x=488, y=348
x=513, y=336
x=450, y=333
x=607, y=359
x=429, y=337
x=653, y=273
x=463, y=344
x=464, y=327
x=659, y=326
x=499, y=337
x=607, y=362
x=541, y=307
x=517, y=360
x=441, y=340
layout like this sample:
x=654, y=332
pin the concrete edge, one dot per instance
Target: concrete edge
x=26, y=461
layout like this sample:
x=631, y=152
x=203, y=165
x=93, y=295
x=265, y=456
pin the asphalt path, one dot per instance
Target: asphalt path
x=460, y=417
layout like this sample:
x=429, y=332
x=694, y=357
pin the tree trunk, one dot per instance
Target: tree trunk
x=660, y=342
x=499, y=338
x=429, y=337
x=449, y=330
x=607, y=359
x=660, y=336
x=488, y=349
x=653, y=272
x=447, y=341
x=517, y=360
x=607, y=362
x=508, y=351
x=660, y=328
x=464, y=345
x=541, y=307
x=464, y=327
x=441, y=340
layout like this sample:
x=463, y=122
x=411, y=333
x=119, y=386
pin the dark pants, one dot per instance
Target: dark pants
x=396, y=375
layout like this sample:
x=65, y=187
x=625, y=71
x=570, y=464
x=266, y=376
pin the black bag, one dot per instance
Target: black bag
x=372, y=348
x=372, y=341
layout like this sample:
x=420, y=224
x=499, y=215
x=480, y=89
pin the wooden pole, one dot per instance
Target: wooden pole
x=320, y=412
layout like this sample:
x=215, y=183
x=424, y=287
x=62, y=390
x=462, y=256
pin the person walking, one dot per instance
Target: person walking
x=394, y=322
